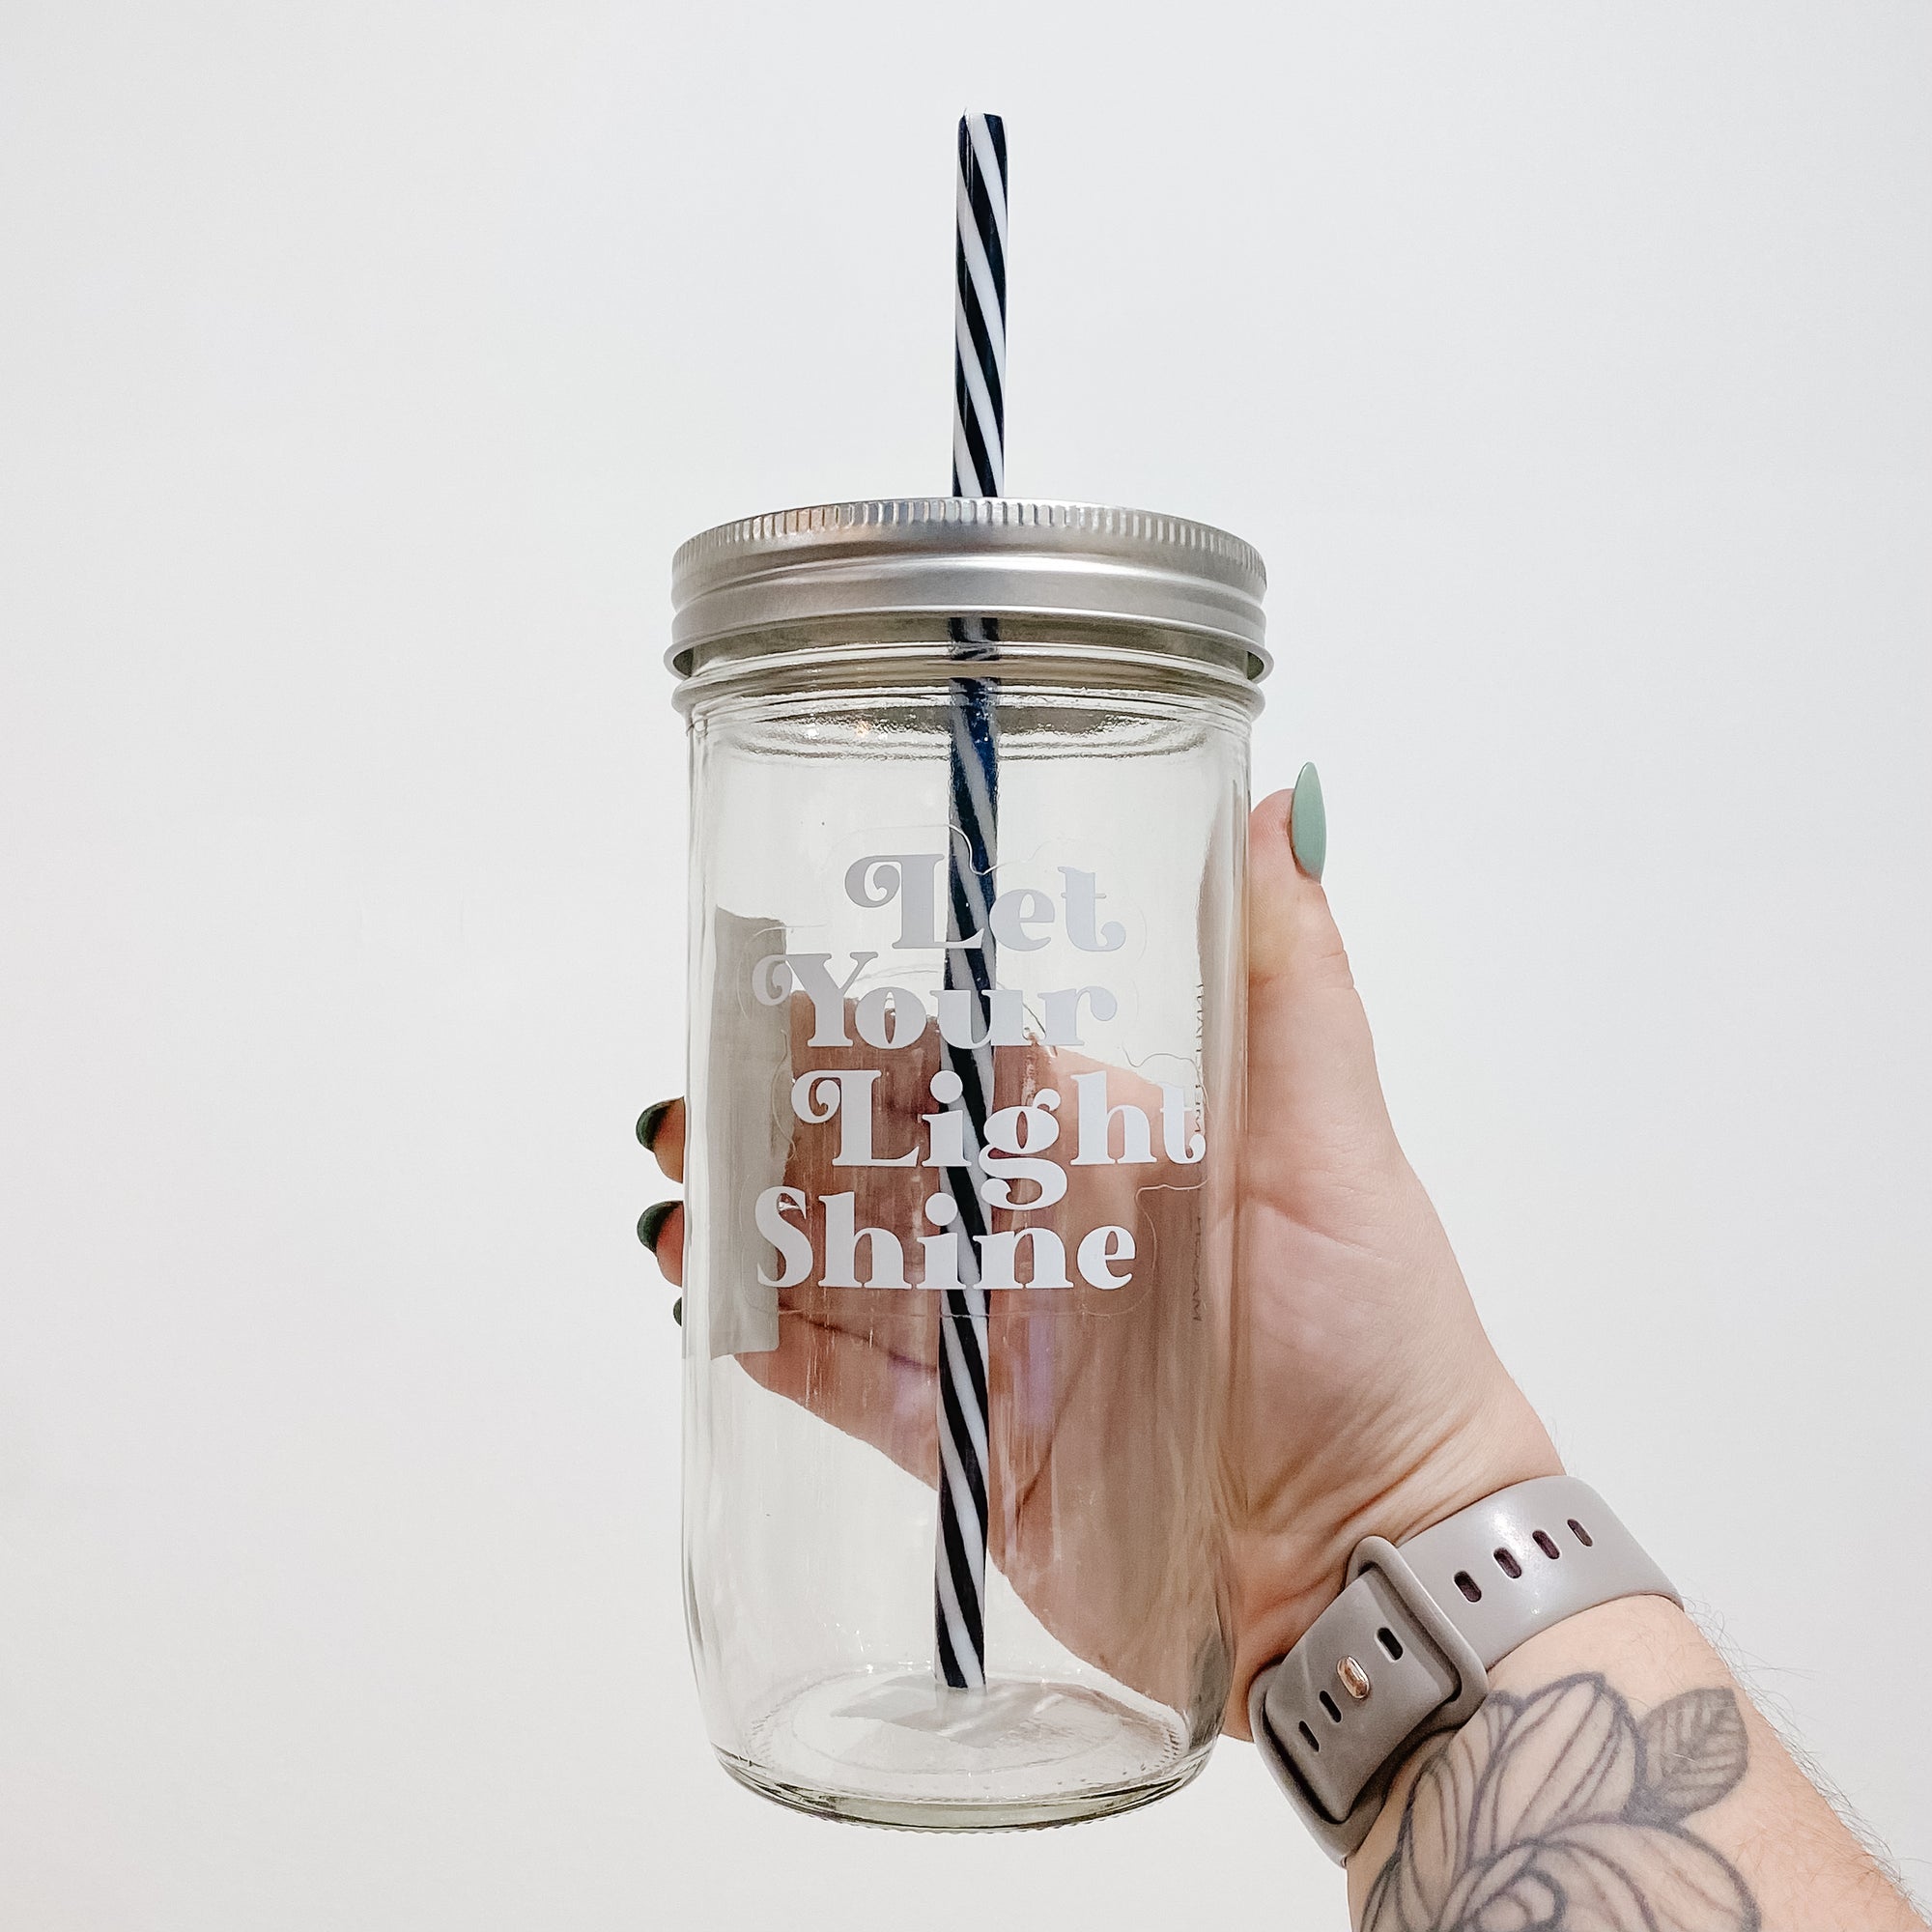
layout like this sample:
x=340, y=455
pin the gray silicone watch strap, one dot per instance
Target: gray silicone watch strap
x=1405, y=1650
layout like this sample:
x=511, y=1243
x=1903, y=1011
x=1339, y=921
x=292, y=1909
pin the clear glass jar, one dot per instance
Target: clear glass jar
x=941, y=1226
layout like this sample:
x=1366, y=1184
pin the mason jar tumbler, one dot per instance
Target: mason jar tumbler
x=969, y=797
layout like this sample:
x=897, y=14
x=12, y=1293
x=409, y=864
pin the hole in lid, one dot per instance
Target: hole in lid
x=1328, y=1705
x=1506, y=1562
x=1547, y=1542
x=1583, y=1534
x=1466, y=1583
x=1389, y=1641
x=1313, y=1742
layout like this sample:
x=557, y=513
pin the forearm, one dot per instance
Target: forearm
x=1617, y=1777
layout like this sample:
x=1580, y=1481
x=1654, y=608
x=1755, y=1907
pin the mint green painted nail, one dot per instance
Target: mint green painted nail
x=1310, y=823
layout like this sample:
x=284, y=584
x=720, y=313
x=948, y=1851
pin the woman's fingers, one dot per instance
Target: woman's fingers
x=661, y=1130
x=661, y=1226
x=660, y=1229
x=1314, y=1093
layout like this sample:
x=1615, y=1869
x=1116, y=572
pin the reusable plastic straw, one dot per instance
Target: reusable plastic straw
x=978, y=469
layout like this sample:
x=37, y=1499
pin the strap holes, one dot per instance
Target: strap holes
x=1389, y=1641
x=1506, y=1562
x=1466, y=1583
x=1313, y=1742
x=1328, y=1705
x=1546, y=1543
x=1581, y=1534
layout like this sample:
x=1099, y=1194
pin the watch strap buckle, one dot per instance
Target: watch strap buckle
x=1379, y=1671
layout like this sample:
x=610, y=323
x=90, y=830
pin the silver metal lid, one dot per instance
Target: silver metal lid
x=993, y=557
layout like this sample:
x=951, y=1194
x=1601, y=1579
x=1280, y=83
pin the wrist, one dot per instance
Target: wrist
x=1646, y=1645
x=1615, y=1761
x=1290, y=1578
x=1403, y=1653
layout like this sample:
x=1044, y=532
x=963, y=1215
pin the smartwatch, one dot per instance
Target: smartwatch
x=1402, y=1652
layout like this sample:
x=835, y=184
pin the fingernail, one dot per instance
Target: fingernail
x=677, y=1311
x=651, y=1120
x=1309, y=823
x=651, y=1223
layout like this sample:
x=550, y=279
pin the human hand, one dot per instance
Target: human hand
x=1366, y=1398
x=1363, y=1396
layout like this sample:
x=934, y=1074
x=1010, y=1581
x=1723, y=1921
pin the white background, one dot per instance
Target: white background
x=360, y=366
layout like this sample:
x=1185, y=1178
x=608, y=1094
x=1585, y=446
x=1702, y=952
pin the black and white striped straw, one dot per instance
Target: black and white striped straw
x=978, y=469
x=979, y=311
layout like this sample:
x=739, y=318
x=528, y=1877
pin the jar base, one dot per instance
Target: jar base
x=893, y=1748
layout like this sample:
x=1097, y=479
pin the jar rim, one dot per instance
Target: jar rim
x=984, y=558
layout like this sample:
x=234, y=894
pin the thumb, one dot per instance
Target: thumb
x=1314, y=1093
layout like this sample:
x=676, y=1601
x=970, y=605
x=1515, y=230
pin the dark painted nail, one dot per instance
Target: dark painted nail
x=651, y=1223
x=677, y=1311
x=651, y=1120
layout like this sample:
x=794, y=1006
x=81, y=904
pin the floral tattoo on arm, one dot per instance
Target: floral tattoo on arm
x=1561, y=1812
